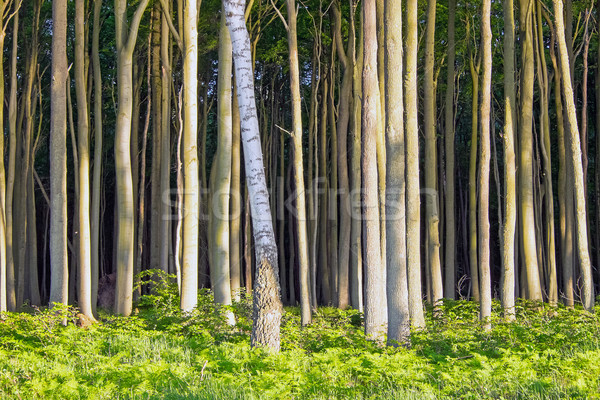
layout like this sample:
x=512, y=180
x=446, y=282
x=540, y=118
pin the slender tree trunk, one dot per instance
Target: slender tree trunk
x=165, y=140
x=301, y=228
x=474, y=67
x=510, y=186
x=267, y=308
x=219, y=210
x=356, y=271
x=97, y=172
x=484, y=169
x=11, y=299
x=235, y=204
x=575, y=155
x=323, y=186
x=450, y=239
x=85, y=261
x=189, y=271
x=545, y=142
x=413, y=208
x=397, y=283
x=431, y=193
x=126, y=35
x=375, y=300
x=58, y=158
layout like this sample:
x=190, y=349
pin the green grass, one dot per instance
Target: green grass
x=159, y=354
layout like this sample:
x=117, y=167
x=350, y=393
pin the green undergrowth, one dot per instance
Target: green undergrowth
x=549, y=353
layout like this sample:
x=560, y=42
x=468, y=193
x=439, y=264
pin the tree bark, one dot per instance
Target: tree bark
x=375, y=299
x=397, y=284
x=577, y=173
x=191, y=212
x=58, y=158
x=413, y=207
x=267, y=307
x=510, y=187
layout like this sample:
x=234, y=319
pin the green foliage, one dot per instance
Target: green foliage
x=163, y=354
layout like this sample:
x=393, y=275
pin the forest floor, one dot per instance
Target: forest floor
x=160, y=354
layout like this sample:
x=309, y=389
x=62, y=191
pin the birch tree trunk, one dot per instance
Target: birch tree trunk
x=267, y=309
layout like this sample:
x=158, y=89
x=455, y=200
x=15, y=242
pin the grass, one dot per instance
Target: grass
x=159, y=354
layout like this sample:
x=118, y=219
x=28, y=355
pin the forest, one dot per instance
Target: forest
x=299, y=199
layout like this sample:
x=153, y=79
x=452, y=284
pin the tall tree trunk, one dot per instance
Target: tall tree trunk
x=548, y=208
x=235, y=204
x=322, y=190
x=449, y=201
x=267, y=307
x=97, y=172
x=58, y=158
x=189, y=271
x=126, y=35
x=526, y=153
x=575, y=155
x=85, y=261
x=484, y=168
x=356, y=271
x=510, y=187
x=413, y=208
x=165, y=138
x=474, y=67
x=431, y=193
x=11, y=299
x=301, y=229
x=397, y=284
x=219, y=210
x=375, y=299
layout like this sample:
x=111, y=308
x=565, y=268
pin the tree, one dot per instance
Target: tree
x=582, y=238
x=58, y=157
x=484, y=168
x=85, y=260
x=449, y=201
x=413, y=208
x=375, y=301
x=397, y=283
x=510, y=186
x=301, y=229
x=126, y=36
x=431, y=208
x=267, y=308
x=189, y=271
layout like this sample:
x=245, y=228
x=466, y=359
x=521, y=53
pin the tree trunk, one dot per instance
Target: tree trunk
x=235, y=204
x=301, y=228
x=575, y=155
x=510, y=187
x=484, y=169
x=85, y=261
x=58, y=157
x=125, y=41
x=397, y=284
x=375, y=299
x=431, y=193
x=450, y=239
x=413, y=208
x=219, y=210
x=267, y=308
x=189, y=271
x=474, y=67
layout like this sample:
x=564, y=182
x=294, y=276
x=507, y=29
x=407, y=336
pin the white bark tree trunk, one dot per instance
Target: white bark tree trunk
x=267, y=303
